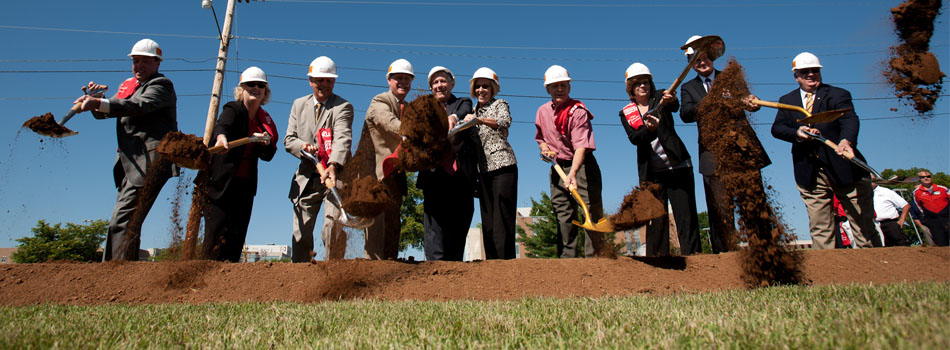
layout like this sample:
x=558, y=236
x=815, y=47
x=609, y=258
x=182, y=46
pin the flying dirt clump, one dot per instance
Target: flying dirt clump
x=185, y=150
x=638, y=208
x=367, y=197
x=425, y=127
x=727, y=133
x=912, y=69
x=46, y=125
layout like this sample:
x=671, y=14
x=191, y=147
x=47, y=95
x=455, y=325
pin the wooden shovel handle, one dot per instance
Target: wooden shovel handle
x=237, y=143
x=780, y=106
x=321, y=169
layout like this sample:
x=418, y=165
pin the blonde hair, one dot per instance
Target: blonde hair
x=239, y=94
x=494, y=87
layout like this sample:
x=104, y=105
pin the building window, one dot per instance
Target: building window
x=3, y=259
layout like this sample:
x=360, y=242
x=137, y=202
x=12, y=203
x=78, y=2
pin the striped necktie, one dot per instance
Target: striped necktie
x=809, y=101
x=708, y=84
x=316, y=113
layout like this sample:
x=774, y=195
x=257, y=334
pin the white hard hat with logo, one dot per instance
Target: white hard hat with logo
x=146, y=47
x=486, y=73
x=253, y=74
x=805, y=60
x=437, y=69
x=637, y=69
x=689, y=50
x=322, y=67
x=400, y=66
x=555, y=74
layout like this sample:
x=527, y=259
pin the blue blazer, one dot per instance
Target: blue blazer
x=808, y=156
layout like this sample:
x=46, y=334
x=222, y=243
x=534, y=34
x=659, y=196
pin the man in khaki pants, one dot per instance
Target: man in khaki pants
x=821, y=172
x=320, y=124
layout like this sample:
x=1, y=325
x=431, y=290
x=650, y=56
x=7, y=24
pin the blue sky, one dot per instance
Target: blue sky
x=51, y=48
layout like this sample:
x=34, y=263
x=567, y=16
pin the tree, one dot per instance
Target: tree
x=543, y=244
x=73, y=242
x=704, y=232
x=411, y=216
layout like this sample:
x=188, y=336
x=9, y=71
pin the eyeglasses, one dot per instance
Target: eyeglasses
x=806, y=71
x=256, y=84
x=483, y=86
x=641, y=82
x=925, y=176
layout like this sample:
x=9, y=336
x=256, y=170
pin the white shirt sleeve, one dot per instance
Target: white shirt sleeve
x=103, y=105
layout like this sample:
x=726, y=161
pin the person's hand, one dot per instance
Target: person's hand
x=330, y=175
x=87, y=103
x=668, y=96
x=453, y=120
x=310, y=149
x=749, y=106
x=651, y=122
x=571, y=181
x=469, y=117
x=92, y=86
x=221, y=140
x=844, y=147
x=547, y=152
x=900, y=222
x=265, y=135
x=802, y=129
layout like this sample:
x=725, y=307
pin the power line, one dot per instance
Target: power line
x=496, y=4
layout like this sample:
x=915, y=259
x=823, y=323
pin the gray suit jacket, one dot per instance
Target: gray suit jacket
x=337, y=115
x=143, y=120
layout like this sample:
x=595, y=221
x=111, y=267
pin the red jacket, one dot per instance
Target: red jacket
x=932, y=202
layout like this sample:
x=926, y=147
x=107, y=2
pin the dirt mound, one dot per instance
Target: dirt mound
x=46, y=125
x=185, y=150
x=912, y=69
x=205, y=281
x=425, y=127
x=768, y=261
x=638, y=208
x=367, y=197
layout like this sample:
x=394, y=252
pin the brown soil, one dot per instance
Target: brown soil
x=46, y=125
x=912, y=69
x=425, y=127
x=206, y=281
x=155, y=176
x=638, y=208
x=185, y=150
x=367, y=197
x=729, y=135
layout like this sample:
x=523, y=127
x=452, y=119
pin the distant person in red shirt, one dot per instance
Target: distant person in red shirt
x=932, y=200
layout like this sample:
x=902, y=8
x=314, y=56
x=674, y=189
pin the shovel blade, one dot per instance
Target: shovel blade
x=356, y=222
x=712, y=45
x=825, y=117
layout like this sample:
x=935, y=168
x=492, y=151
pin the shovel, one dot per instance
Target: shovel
x=847, y=155
x=602, y=225
x=47, y=126
x=712, y=45
x=817, y=118
x=345, y=219
x=200, y=161
x=463, y=126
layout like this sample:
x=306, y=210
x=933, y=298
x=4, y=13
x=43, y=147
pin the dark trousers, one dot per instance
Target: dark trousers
x=499, y=204
x=589, y=186
x=226, y=221
x=676, y=190
x=722, y=227
x=938, y=229
x=893, y=234
x=448, y=203
x=131, y=206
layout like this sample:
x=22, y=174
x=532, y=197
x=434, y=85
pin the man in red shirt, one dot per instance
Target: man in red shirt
x=932, y=199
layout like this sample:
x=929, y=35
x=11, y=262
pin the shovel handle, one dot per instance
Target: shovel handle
x=676, y=83
x=237, y=143
x=780, y=106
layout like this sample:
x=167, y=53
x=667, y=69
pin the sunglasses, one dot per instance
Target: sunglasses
x=483, y=86
x=925, y=176
x=256, y=84
x=806, y=71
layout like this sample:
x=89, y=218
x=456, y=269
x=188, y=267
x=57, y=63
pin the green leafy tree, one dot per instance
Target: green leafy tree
x=906, y=190
x=73, y=242
x=411, y=216
x=704, y=232
x=543, y=244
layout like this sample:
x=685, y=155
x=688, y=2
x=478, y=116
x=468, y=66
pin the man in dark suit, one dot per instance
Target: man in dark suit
x=145, y=109
x=821, y=172
x=722, y=229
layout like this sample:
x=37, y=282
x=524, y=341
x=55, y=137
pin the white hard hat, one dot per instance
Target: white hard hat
x=486, y=73
x=689, y=50
x=805, y=60
x=437, y=69
x=322, y=67
x=253, y=74
x=146, y=47
x=400, y=66
x=555, y=74
x=637, y=69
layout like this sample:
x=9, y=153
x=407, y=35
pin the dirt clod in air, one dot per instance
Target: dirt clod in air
x=185, y=150
x=638, y=208
x=46, y=125
x=425, y=126
x=726, y=131
x=912, y=69
x=367, y=197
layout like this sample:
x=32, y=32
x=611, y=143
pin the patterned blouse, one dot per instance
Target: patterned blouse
x=496, y=153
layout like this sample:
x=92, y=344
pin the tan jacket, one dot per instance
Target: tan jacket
x=380, y=132
x=337, y=115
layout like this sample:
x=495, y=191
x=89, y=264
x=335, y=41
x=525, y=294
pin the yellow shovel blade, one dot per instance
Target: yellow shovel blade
x=602, y=225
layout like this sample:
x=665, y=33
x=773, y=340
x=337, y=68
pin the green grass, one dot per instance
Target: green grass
x=908, y=316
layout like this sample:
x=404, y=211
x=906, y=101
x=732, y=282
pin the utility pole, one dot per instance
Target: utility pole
x=197, y=199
